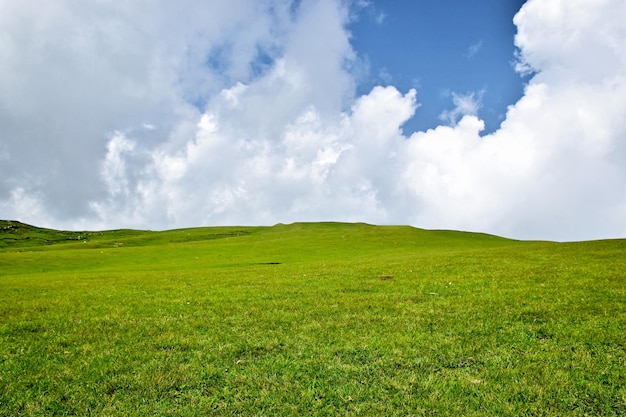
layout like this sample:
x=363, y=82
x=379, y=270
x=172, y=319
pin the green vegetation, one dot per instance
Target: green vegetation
x=309, y=319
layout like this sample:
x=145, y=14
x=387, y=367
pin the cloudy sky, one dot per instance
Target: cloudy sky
x=505, y=119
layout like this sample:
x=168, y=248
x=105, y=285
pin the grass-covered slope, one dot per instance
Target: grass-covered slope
x=17, y=235
x=14, y=234
x=309, y=319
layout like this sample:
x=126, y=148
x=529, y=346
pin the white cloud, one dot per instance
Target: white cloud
x=555, y=167
x=464, y=105
x=72, y=73
x=474, y=49
x=114, y=166
x=111, y=118
x=25, y=203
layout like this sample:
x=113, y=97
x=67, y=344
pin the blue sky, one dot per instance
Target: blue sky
x=495, y=116
x=440, y=48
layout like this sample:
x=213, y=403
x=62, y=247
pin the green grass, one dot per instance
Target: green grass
x=296, y=320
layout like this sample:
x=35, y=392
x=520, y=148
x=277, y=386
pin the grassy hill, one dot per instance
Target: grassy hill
x=309, y=319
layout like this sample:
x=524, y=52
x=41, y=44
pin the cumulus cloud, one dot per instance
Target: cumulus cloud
x=72, y=73
x=244, y=113
x=555, y=167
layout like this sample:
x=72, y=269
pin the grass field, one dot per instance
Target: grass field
x=309, y=319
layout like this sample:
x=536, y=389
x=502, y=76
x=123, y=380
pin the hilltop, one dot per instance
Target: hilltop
x=16, y=234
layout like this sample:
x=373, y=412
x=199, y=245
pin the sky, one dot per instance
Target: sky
x=442, y=49
x=487, y=116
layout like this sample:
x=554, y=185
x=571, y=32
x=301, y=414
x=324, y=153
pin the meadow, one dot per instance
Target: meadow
x=318, y=319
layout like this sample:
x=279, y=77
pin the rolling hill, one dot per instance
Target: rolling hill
x=309, y=319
